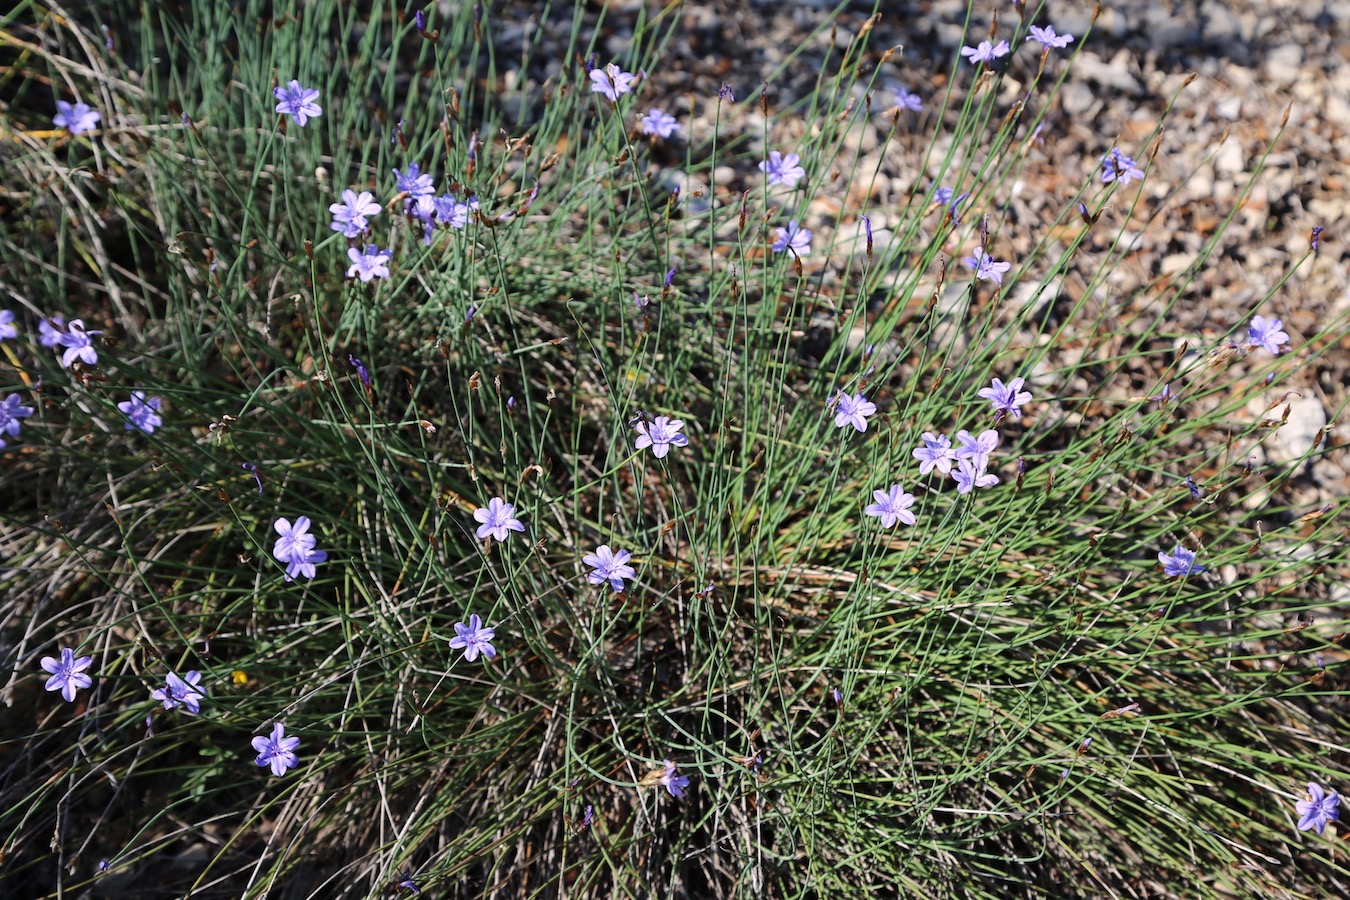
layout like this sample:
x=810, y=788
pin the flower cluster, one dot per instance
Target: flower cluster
x=185, y=692
x=296, y=548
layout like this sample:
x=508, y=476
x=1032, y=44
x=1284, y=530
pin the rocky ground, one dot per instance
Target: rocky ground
x=1249, y=65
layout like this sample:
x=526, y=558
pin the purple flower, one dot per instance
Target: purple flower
x=407, y=883
x=1007, y=398
x=1197, y=492
x=372, y=262
x=277, y=751
x=50, y=331
x=936, y=453
x=725, y=93
x=976, y=449
x=1180, y=562
x=892, y=507
x=413, y=182
x=76, y=119
x=970, y=474
x=986, y=52
x=661, y=434
x=1047, y=38
x=252, y=469
x=609, y=566
x=658, y=123
x=1267, y=334
x=182, y=692
x=611, y=81
x=11, y=412
x=451, y=211
x=360, y=369
x=144, y=414
x=905, y=100
x=986, y=267
x=297, y=102
x=295, y=548
x=474, y=638
x=498, y=519
x=678, y=785
x=67, y=673
x=7, y=327
x=955, y=202
x=79, y=344
x=1118, y=166
x=1318, y=809
x=351, y=215
x=853, y=410
x=782, y=169
x=1315, y=238
x=797, y=239
x=942, y=194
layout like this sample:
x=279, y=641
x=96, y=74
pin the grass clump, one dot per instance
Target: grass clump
x=799, y=690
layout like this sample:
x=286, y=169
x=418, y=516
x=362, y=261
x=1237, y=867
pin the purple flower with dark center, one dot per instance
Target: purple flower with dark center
x=67, y=673
x=905, y=100
x=611, y=81
x=792, y=237
x=76, y=119
x=986, y=267
x=609, y=566
x=853, y=410
x=12, y=412
x=413, y=182
x=372, y=262
x=970, y=474
x=1318, y=809
x=976, y=449
x=658, y=123
x=182, y=692
x=936, y=453
x=297, y=102
x=1180, y=562
x=50, y=331
x=1047, y=38
x=891, y=506
x=277, y=751
x=351, y=215
x=1266, y=333
x=677, y=785
x=986, y=52
x=1007, y=398
x=7, y=328
x=295, y=548
x=143, y=413
x=497, y=519
x=660, y=434
x=79, y=344
x=782, y=169
x=1116, y=166
x=474, y=638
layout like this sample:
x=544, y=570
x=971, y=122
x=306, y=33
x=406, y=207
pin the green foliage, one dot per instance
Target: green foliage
x=976, y=652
